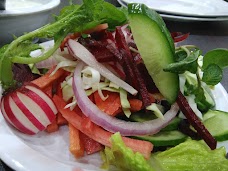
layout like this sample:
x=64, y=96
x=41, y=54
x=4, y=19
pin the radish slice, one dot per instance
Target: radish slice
x=28, y=109
x=113, y=124
x=81, y=52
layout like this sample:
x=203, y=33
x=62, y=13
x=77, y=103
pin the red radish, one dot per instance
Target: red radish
x=28, y=109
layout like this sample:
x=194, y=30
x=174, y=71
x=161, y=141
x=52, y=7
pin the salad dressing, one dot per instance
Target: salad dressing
x=21, y=4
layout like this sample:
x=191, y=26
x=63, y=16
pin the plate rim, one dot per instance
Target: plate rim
x=221, y=3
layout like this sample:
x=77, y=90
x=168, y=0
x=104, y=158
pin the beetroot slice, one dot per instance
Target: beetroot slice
x=195, y=122
x=131, y=67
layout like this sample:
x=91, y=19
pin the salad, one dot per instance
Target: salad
x=114, y=78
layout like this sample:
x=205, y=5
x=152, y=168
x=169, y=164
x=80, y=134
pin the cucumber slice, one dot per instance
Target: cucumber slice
x=164, y=138
x=173, y=125
x=216, y=123
x=156, y=48
x=142, y=117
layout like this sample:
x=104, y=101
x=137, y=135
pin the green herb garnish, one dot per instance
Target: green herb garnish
x=73, y=18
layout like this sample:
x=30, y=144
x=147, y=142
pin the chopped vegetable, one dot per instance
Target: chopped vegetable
x=195, y=122
x=48, y=79
x=113, y=124
x=191, y=156
x=97, y=133
x=53, y=127
x=76, y=146
x=123, y=157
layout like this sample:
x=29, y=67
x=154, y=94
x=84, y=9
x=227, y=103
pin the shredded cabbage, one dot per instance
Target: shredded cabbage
x=155, y=109
x=124, y=102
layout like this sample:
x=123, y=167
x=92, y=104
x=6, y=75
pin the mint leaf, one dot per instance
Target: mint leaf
x=216, y=56
x=187, y=64
x=180, y=55
x=212, y=74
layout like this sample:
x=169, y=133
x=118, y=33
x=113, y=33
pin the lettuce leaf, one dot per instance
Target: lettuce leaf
x=190, y=155
x=123, y=157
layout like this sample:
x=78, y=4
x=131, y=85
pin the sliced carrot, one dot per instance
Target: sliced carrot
x=61, y=120
x=53, y=127
x=91, y=146
x=135, y=104
x=98, y=134
x=76, y=145
x=48, y=90
x=47, y=79
x=111, y=105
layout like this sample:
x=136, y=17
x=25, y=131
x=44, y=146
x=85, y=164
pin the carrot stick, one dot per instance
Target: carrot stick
x=135, y=104
x=53, y=127
x=47, y=79
x=48, y=90
x=111, y=105
x=98, y=134
x=91, y=146
x=61, y=120
x=76, y=145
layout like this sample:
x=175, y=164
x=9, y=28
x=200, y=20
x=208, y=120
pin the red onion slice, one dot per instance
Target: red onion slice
x=82, y=53
x=113, y=124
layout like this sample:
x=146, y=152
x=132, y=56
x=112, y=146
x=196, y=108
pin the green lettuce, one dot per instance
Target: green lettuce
x=123, y=157
x=190, y=155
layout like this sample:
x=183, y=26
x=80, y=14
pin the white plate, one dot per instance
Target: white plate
x=205, y=8
x=188, y=18
x=50, y=151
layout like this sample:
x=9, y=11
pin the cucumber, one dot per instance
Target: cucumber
x=164, y=138
x=173, y=125
x=216, y=123
x=142, y=117
x=156, y=48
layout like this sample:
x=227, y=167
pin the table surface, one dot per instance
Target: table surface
x=205, y=35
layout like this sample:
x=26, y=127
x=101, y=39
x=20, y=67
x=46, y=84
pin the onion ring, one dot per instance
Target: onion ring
x=113, y=124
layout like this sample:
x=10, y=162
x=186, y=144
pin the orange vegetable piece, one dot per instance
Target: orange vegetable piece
x=98, y=134
x=47, y=79
x=91, y=146
x=61, y=120
x=48, y=90
x=53, y=127
x=135, y=104
x=76, y=145
x=111, y=105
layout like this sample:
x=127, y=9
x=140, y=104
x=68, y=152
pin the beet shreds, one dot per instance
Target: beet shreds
x=195, y=122
x=98, y=49
x=131, y=67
